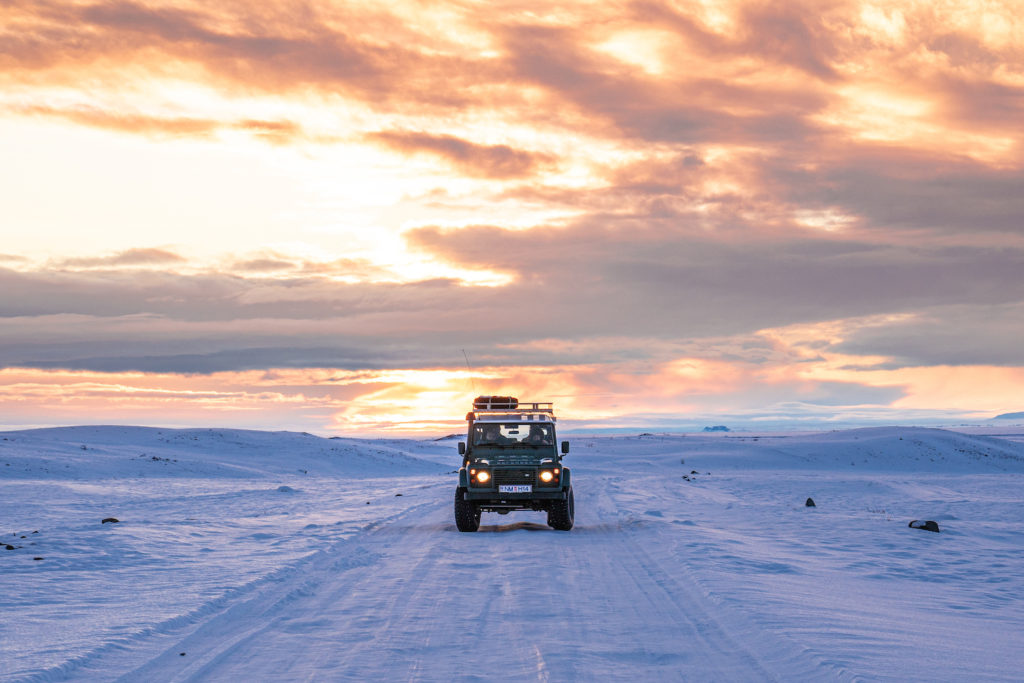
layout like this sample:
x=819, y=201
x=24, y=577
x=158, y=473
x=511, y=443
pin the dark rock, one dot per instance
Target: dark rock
x=925, y=525
x=810, y=503
x=694, y=472
x=397, y=494
x=112, y=520
x=37, y=558
x=10, y=547
x=181, y=654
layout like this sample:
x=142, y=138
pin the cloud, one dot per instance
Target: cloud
x=276, y=132
x=667, y=276
x=892, y=189
x=682, y=110
x=358, y=269
x=130, y=123
x=263, y=265
x=945, y=335
x=128, y=257
x=486, y=161
x=236, y=359
x=593, y=285
x=361, y=51
x=788, y=35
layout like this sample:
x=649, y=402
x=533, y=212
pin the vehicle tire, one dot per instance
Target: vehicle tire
x=562, y=513
x=467, y=515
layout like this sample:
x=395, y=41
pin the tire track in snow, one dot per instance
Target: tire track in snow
x=409, y=598
x=724, y=627
x=676, y=631
x=210, y=635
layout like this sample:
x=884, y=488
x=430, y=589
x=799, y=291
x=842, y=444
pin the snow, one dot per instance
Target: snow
x=284, y=556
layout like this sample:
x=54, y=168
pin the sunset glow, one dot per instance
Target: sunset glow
x=350, y=219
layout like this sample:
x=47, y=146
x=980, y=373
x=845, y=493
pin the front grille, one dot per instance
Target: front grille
x=519, y=475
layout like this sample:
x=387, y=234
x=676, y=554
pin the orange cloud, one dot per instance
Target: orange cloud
x=488, y=161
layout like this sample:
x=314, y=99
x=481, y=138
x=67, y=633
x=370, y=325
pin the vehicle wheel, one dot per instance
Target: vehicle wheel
x=562, y=513
x=467, y=515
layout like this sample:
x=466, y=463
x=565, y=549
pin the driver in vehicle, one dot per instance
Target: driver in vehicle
x=490, y=436
x=538, y=436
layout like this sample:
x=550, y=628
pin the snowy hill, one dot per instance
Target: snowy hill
x=282, y=556
x=894, y=449
x=109, y=451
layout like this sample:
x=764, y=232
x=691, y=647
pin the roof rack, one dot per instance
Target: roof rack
x=492, y=408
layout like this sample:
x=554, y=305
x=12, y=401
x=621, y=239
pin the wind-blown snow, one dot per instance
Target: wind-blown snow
x=283, y=556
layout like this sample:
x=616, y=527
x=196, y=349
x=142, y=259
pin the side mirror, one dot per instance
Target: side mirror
x=565, y=447
x=462, y=448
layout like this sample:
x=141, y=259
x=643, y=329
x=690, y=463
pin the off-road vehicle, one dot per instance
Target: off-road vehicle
x=510, y=462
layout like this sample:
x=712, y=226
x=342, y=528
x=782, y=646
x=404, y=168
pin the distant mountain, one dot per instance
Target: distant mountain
x=716, y=428
x=1009, y=416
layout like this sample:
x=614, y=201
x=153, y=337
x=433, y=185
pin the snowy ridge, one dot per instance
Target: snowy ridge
x=910, y=449
x=283, y=556
x=895, y=449
x=105, y=451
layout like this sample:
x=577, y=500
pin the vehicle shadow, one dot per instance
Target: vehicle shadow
x=516, y=526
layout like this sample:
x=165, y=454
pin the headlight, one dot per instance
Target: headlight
x=549, y=476
x=480, y=476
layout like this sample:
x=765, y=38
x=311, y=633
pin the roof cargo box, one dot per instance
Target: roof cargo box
x=495, y=403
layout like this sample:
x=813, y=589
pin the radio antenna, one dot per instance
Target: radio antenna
x=472, y=381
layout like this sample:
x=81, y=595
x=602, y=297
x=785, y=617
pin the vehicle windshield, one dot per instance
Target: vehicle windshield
x=513, y=434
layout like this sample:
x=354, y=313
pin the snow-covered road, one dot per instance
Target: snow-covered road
x=721, y=575
x=410, y=599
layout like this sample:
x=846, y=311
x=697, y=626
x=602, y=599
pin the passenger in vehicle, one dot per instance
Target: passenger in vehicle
x=538, y=436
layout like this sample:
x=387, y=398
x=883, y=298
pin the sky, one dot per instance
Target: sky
x=351, y=218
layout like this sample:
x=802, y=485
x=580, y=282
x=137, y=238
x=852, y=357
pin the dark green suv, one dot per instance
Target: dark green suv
x=510, y=462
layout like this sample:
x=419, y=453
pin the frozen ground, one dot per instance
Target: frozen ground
x=281, y=556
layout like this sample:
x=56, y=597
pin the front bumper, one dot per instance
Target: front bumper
x=511, y=498
x=490, y=497
x=492, y=501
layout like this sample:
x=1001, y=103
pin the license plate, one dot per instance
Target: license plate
x=515, y=488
